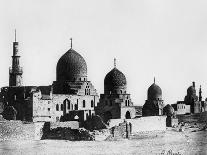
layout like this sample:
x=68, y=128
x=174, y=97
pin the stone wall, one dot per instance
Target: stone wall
x=151, y=123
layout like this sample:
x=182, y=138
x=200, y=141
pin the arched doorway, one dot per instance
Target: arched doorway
x=128, y=116
x=107, y=116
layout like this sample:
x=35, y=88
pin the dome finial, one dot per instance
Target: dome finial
x=71, y=43
x=154, y=80
x=114, y=62
x=15, y=35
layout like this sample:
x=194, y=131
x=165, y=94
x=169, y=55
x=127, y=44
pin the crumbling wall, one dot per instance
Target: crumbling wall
x=69, y=124
x=123, y=130
x=64, y=133
x=18, y=130
x=143, y=124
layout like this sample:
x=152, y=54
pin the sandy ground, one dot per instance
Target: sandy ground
x=168, y=143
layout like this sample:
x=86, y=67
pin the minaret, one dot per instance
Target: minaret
x=15, y=72
x=200, y=94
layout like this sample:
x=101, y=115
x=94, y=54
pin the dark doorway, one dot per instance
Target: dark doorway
x=128, y=116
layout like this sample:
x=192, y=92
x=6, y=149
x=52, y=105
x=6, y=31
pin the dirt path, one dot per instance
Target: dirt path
x=186, y=142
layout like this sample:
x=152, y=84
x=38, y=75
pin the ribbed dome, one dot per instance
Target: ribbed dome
x=154, y=92
x=115, y=78
x=71, y=66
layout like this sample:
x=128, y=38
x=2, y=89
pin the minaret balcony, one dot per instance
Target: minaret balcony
x=18, y=70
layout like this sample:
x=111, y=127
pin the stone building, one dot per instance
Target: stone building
x=115, y=103
x=73, y=94
x=192, y=103
x=70, y=97
x=154, y=104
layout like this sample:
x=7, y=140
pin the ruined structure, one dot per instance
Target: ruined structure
x=115, y=103
x=154, y=103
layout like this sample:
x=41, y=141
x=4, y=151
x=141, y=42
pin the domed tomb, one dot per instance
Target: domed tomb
x=115, y=81
x=71, y=67
x=191, y=91
x=154, y=92
x=168, y=110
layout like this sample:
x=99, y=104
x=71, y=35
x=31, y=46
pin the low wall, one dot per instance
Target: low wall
x=199, y=117
x=143, y=124
x=18, y=130
x=69, y=124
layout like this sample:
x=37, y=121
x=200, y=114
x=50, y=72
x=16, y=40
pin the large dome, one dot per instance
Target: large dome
x=71, y=67
x=154, y=92
x=115, y=78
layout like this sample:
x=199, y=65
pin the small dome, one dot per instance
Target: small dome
x=71, y=66
x=191, y=90
x=168, y=110
x=154, y=92
x=115, y=78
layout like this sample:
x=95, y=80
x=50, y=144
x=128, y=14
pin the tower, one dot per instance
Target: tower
x=15, y=72
x=200, y=94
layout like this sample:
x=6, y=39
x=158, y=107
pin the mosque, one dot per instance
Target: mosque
x=73, y=97
x=115, y=102
x=70, y=97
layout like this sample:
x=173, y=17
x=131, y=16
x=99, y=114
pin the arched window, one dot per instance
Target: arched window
x=91, y=103
x=57, y=107
x=84, y=103
x=61, y=107
x=128, y=102
x=125, y=102
x=121, y=91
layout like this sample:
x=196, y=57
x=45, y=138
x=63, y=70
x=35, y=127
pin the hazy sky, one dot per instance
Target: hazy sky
x=162, y=38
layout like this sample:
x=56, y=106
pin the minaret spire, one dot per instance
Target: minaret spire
x=15, y=71
x=114, y=62
x=200, y=94
x=71, y=43
x=154, y=80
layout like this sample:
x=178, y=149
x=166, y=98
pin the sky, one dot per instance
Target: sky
x=162, y=39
